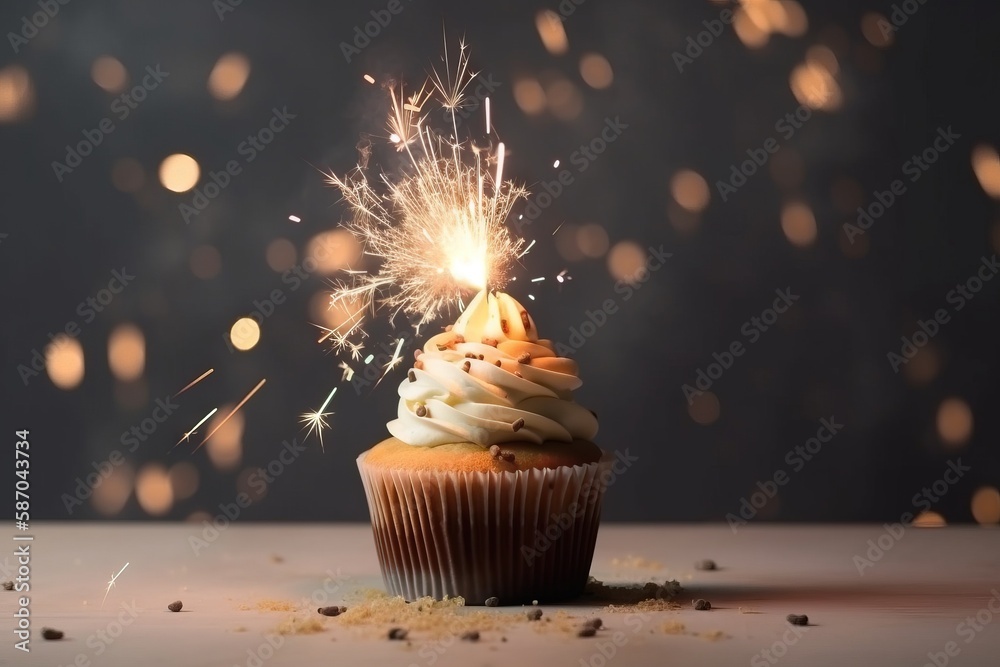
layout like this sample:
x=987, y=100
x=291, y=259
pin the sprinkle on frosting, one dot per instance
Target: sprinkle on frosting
x=443, y=402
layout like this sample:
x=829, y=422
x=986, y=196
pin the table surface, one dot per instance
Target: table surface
x=930, y=591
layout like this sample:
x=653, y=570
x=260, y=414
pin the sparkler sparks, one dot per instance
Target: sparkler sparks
x=232, y=412
x=204, y=419
x=440, y=229
x=316, y=421
x=195, y=381
x=111, y=584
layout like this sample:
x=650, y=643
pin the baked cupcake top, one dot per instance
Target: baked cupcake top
x=490, y=380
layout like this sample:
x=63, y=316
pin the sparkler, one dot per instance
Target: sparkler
x=440, y=229
x=316, y=421
x=111, y=584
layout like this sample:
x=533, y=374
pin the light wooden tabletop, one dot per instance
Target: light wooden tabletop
x=873, y=597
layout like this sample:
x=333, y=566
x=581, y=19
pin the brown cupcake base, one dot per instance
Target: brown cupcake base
x=518, y=536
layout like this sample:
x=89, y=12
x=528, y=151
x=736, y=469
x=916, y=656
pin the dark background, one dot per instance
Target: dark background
x=826, y=357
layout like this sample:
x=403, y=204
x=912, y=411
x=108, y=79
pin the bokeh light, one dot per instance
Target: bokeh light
x=529, y=95
x=64, y=361
x=874, y=28
x=929, y=520
x=333, y=251
x=550, y=29
x=127, y=352
x=815, y=87
x=229, y=76
x=153, y=489
x=798, y=224
x=564, y=99
x=244, y=334
x=17, y=94
x=567, y=242
x=596, y=71
x=592, y=240
x=954, y=422
x=108, y=73
x=179, y=172
x=690, y=190
x=110, y=495
x=225, y=447
x=627, y=261
x=986, y=164
x=704, y=408
x=986, y=505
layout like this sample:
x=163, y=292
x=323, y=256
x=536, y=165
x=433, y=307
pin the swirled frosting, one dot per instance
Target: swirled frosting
x=490, y=380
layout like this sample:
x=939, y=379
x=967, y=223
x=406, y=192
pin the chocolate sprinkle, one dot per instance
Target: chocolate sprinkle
x=507, y=456
x=469, y=355
x=495, y=451
x=466, y=366
x=397, y=633
x=471, y=636
x=504, y=327
x=534, y=614
x=442, y=348
x=595, y=623
x=52, y=633
x=518, y=425
x=587, y=631
x=175, y=606
x=498, y=362
x=331, y=611
x=524, y=358
x=421, y=411
x=525, y=320
x=8, y=585
x=701, y=605
x=492, y=602
x=492, y=342
x=411, y=376
x=797, y=619
x=459, y=338
x=706, y=564
x=482, y=358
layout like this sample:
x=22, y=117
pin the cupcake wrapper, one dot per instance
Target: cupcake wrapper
x=518, y=536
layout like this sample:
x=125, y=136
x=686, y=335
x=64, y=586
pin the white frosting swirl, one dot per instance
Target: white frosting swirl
x=490, y=380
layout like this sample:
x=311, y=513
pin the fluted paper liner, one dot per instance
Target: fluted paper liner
x=519, y=536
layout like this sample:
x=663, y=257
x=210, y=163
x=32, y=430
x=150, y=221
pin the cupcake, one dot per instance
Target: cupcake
x=490, y=486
